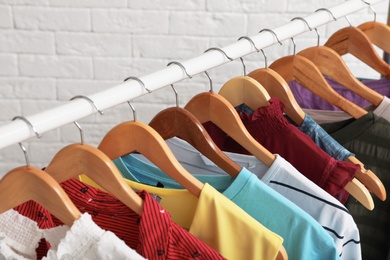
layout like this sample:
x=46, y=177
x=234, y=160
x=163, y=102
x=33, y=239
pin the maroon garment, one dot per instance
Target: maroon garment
x=153, y=235
x=270, y=128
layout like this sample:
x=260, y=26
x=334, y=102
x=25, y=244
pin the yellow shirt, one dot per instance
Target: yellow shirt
x=215, y=220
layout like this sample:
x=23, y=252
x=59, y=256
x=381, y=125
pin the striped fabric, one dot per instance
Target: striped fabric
x=154, y=235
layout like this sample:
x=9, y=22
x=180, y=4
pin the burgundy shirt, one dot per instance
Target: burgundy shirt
x=270, y=128
x=153, y=235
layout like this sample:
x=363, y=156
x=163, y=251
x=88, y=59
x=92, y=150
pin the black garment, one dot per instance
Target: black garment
x=369, y=139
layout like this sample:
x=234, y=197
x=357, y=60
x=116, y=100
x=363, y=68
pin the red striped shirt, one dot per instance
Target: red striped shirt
x=154, y=235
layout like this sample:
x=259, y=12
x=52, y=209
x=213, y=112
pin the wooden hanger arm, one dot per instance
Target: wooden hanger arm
x=277, y=87
x=369, y=179
x=175, y=121
x=332, y=65
x=282, y=254
x=77, y=159
x=352, y=40
x=29, y=183
x=357, y=190
x=213, y=107
x=378, y=33
x=135, y=136
x=245, y=90
x=306, y=74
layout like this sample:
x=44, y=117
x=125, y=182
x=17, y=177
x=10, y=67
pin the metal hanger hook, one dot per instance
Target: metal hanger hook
x=269, y=30
x=294, y=46
x=265, y=59
x=220, y=50
x=90, y=101
x=29, y=124
x=176, y=95
x=327, y=10
x=140, y=82
x=25, y=154
x=211, y=82
x=181, y=66
x=372, y=9
x=133, y=109
x=249, y=40
x=253, y=44
x=81, y=132
x=304, y=20
x=349, y=21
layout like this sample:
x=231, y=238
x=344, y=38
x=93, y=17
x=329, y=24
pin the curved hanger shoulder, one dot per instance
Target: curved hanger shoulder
x=330, y=63
x=213, y=107
x=353, y=41
x=77, y=159
x=369, y=179
x=176, y=121
x=276, y=86
x=378, y=33
x=307, y=75
x=244, y=89
x=135, y=136
x=29, y=183
x=360, y=193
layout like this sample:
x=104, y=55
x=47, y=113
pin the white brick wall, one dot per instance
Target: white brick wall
x=52, y=50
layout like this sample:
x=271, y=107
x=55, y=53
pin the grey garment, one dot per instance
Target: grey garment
x=324, y=140
x=368, y=137
x=317, y=134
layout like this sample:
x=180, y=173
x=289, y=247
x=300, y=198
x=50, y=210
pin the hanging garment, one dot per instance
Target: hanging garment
x=217, y=221
x=317, y=134
x=307, y=99
x=154, y=235
x=19, y=236
x=328, y=116
x=265, y=205
x=368, y=137
x=269, y=127
x=281, y=177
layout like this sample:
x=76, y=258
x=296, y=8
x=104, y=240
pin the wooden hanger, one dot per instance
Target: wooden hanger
x=209, y=106
x=353, y=41
x=330, y=63
x=30, y=183
x=245, y=90
x=134, y=136
x=77, y=159
x=304, y=71
x=378, y=33
x=176, y=121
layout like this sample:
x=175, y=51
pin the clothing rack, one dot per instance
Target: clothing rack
x=18, y=130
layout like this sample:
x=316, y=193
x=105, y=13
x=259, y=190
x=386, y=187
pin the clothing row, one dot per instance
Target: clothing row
x=285, y=194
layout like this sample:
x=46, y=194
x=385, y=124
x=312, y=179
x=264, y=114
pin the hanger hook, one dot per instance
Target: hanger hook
x=220, y=50
x=140, y=82
x=269, y=30
x=308, y=26
x=90, y=101
x=349, y=21
x=181, y=66
x=327, y=10
x=211, y=82
x=304, y=20
x=133, y=109
x=29, y=124
x=265, y=59
x=176, y=95
x=81, y=132
x=253, y=44
x=294, y=45
x=372, y=9
x=25, y=154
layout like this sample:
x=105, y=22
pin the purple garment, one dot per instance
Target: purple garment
x=307, y=99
